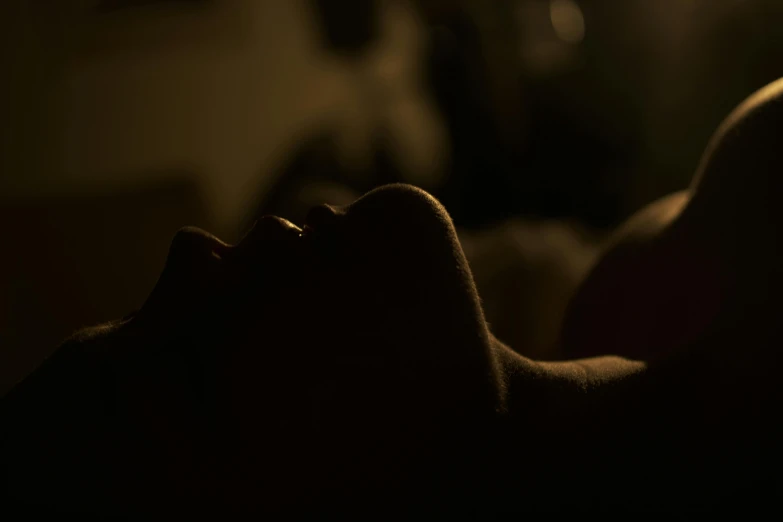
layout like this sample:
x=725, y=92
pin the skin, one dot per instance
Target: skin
x=697, y=257
x=346, y=367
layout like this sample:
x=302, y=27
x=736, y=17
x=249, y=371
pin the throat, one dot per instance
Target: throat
x=551, y=405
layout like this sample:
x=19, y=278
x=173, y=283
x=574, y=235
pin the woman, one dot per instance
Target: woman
x=346, y=367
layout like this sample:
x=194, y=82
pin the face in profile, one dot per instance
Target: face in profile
x=348, y=360
x=322, y=353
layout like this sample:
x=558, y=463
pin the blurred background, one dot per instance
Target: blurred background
x=540, y=124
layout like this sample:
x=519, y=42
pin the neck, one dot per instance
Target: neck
x=550, y=397
x=579, y=430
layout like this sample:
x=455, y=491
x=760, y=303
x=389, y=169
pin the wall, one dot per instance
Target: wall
x=222, y=90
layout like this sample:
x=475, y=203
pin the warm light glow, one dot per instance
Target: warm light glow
x=567, y=20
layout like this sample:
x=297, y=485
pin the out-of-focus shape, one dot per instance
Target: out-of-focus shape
x=347, y=28
x=567, y=20
x=550, y=35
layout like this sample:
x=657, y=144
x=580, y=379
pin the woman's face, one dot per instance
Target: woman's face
x=352, y=347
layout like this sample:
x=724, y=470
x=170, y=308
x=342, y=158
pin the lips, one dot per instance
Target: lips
x=276, y=237
x=271, y=227
x=320, y=216
x=320, y=219
x=267, y=228
x=307, y=232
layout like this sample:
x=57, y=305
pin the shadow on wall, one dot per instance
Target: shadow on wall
x=81, y=260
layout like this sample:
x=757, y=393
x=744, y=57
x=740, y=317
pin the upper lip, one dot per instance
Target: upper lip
x=319, y=217
x=307, y=231
x=268, y=226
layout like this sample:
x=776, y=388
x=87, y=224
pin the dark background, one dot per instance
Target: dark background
x=124, y=120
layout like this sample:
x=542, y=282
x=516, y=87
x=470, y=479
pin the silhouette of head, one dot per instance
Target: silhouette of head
x=366, y=318
x=343, y=360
